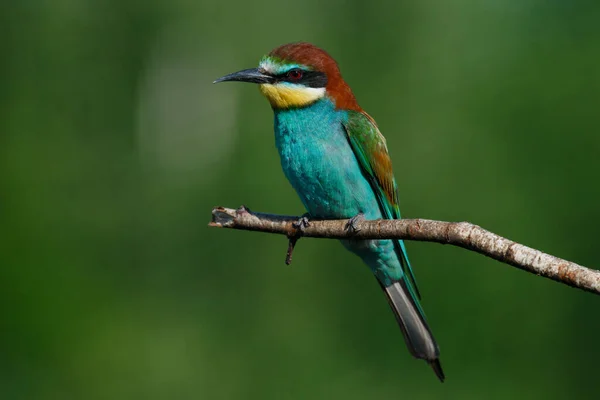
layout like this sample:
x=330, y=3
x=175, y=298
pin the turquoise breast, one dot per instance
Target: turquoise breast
x=319, y=163
x=321, y=166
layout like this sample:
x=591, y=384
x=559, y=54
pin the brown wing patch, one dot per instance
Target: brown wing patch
x=382, y=165
x=382, y=168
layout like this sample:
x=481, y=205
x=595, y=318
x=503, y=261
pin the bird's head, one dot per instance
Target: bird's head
x=296, y=75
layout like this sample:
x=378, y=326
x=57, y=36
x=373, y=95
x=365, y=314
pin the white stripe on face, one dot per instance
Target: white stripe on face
x=275, y=67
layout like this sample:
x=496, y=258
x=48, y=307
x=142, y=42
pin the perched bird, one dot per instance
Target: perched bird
x=337, y=161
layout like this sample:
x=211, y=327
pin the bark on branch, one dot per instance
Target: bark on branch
x=461, y=234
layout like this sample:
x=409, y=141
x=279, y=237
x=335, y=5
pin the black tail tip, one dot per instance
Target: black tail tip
x=437, y=368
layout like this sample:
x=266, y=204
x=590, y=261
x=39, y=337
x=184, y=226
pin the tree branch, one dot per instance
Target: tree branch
x=461, y=234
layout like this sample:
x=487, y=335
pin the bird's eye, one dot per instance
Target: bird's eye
x=295, y=74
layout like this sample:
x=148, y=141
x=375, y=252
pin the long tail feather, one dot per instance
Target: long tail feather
x=437, y=368
x=415, y=330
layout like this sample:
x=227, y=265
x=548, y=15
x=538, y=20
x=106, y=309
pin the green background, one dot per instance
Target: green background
x=115, y=146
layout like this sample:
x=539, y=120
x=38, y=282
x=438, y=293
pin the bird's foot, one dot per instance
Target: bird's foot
x=351, y=225
x=243, y=209
x=302, y=223
x=299, y=227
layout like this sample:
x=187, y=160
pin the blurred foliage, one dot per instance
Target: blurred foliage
x=114, y=146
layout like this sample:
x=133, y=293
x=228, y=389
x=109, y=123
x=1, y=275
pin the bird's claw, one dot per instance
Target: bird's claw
x=351, y=225
x=302, y=223
x=243, y=209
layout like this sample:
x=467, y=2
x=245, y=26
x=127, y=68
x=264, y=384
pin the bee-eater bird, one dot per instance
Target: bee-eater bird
x=337, y=161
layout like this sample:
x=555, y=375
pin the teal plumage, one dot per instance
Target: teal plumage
x=319, y=161
x=336, y=159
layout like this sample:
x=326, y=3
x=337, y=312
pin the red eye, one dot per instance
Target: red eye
x=295, y=74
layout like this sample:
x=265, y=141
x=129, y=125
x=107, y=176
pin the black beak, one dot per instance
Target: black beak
x=252, y=75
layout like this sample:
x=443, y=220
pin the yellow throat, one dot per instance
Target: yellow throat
x=290, y=96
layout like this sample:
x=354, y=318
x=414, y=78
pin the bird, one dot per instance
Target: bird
x=335, y=157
